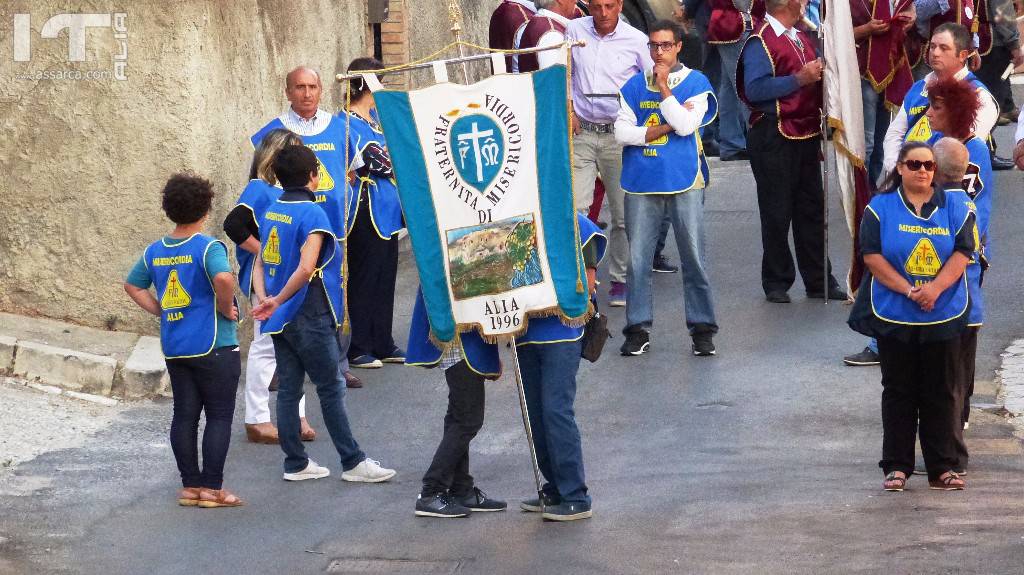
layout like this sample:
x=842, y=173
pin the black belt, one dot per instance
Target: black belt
x=595, y=127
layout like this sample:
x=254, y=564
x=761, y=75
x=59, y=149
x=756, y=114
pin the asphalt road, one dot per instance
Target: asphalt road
x=760, y=460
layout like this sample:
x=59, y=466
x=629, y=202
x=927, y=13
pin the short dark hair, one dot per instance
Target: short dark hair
x=667, y=25
x=961, y=35
x=187, y=198
x=358, y=85
x=294, y=164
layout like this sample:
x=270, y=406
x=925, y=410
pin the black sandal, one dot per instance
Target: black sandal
x=901, y=482
x=948, y=481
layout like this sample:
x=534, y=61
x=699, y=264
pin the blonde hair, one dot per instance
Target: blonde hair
x=263, y=158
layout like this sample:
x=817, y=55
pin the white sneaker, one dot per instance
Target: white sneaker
x=368, y=471
x=312, y=471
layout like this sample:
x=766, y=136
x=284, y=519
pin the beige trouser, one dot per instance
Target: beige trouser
x=595, y=153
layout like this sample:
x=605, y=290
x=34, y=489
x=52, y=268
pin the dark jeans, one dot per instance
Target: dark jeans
x=549, y=381
x=968, y=353
x=789, y=191
x=449, y=469
x=991, y=72
x=372, y=271
x=920, y=389
x=199, y=384
x=309, y=345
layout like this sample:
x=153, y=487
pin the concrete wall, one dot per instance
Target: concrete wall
x=82, y=161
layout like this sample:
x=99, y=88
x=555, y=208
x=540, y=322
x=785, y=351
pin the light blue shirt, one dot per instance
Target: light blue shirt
x=601, y=68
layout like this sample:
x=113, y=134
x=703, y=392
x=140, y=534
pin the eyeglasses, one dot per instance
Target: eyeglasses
x=915, y=165
x=661, y=46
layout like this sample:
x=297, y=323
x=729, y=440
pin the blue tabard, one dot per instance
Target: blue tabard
x=917, y=248
x=483, y=357
x=257, y=196
x=672, y=163
x=188, y=319
x=382, y=193
x=979, y=184
x=329, y=147
x=915, y=105
x=283, y=230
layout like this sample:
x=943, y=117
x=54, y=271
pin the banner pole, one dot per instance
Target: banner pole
x=824, y=171
x=526, y=422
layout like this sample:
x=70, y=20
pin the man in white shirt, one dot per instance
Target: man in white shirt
x=664, y=174
x=948, y=52
x=613, y=53
x=545, y=28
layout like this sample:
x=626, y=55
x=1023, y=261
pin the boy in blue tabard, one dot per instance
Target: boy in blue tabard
x=664, y=173
x=549, y=357
x=195, y=286
x=297, y=278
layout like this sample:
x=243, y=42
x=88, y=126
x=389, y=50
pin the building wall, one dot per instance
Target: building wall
x=82, y=161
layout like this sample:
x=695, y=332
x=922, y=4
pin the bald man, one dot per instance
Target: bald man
x=325, y=135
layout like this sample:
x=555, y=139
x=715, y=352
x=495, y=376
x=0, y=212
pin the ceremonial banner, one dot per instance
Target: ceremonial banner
x=484, y=175
x=846, y=117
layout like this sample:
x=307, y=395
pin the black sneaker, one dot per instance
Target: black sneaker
x=397, y=355
x=866, y=357
x=477, y=500
x=637, y=341
x=662, y=266
x=567, y=512
x=440, y=505
x=702, y=344
x=534, y=505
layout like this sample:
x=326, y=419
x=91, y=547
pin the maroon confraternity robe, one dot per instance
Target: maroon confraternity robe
x=885, y=60
x=505, y=20
x=535, y=28
x=799, y=114
x=726, y=25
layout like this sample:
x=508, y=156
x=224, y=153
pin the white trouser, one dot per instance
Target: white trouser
x=259, y=369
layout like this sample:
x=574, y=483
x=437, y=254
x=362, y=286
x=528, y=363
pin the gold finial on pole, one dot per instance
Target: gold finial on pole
x=455, y=17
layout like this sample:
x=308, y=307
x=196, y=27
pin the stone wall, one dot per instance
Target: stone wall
x=82, y=160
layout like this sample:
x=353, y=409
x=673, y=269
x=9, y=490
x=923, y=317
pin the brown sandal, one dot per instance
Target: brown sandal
x=210, y=498
x=894, y=482
x=188, y=496
x=948, y=481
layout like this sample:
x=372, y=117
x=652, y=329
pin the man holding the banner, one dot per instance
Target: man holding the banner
x=485, y=183
x=779, y=78
x=664, y=173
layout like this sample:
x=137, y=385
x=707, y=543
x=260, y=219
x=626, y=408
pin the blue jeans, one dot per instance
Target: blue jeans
x=549, y=382
x=309, y=345
x=876, y=122
x=644, y=216
x=732, y=113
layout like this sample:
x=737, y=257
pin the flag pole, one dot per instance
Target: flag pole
x=526, y=422
x=824, y=157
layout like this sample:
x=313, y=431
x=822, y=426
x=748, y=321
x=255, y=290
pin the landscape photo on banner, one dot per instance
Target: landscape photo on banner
x=484, y=177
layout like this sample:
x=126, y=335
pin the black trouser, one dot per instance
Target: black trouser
x=199, y=384
x=465, y=416
x=992, y=67
x=789, y=190
x=968, y=352
x=920, y=389
x=372, y=271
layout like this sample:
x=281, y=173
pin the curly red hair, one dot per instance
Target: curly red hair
x=961, y=105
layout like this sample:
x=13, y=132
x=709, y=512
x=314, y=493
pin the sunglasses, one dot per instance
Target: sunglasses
x=661, y=46
x=915, y=165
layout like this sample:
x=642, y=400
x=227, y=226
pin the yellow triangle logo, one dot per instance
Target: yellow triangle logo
x=653, y=121
x=272, y=251
x=326, y=181
x=923, y=261
x=921, y=132
x=175, y=295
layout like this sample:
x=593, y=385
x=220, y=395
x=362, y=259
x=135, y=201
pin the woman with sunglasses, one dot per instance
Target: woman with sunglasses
x=916, y=242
